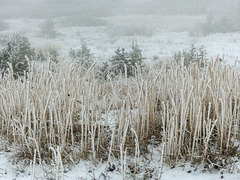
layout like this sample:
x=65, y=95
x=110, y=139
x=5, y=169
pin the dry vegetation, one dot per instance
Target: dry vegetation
x=66, y=113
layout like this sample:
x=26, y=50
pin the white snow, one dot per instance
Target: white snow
x=86, y=170
x=179, y=174
x=169, y=35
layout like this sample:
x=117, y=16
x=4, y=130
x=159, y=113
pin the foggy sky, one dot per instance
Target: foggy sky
x=56, y=8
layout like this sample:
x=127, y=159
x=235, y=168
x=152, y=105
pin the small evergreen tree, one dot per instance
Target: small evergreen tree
x=103, y=71
x=135, y=58
x=194, y=55
x=82, y=56
x=123, y=61
x=53, y=55
x=118, y=61
x=14, y=53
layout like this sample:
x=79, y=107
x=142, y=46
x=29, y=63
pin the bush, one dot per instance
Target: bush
x=48, y=29
x=123, y=61
x=118, y=62
x=193, y=55
x=135, y=55
x=14, y=53
x=82, y=56
x=50, y=53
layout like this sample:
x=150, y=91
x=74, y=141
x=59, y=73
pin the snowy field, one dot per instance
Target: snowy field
x=162, y=37
x=86, y=170
x=165, y=35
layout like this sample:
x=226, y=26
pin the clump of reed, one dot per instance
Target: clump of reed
x=192, y=111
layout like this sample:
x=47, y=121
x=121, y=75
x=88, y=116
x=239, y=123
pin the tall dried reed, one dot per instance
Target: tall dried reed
x=194, y=111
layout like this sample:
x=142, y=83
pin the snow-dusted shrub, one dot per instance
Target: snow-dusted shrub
x=193, y=55
x=49, y=54
x=135, y=55
x=82, y=56
x=125, y=63
x=48, y=29
x=119, y=61
x=15, y=53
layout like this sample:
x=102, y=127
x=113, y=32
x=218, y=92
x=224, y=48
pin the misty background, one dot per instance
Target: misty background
x=58, y=8
x=162, y=28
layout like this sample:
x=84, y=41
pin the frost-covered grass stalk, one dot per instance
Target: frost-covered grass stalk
x=194, y=111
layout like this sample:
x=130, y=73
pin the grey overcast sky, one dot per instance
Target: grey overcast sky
x=42, y=8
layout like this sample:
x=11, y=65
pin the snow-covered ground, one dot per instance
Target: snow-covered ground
x=164, y=36
x=86, y=170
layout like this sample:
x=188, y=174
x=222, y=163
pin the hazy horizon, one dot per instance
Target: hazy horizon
x=59, y=8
